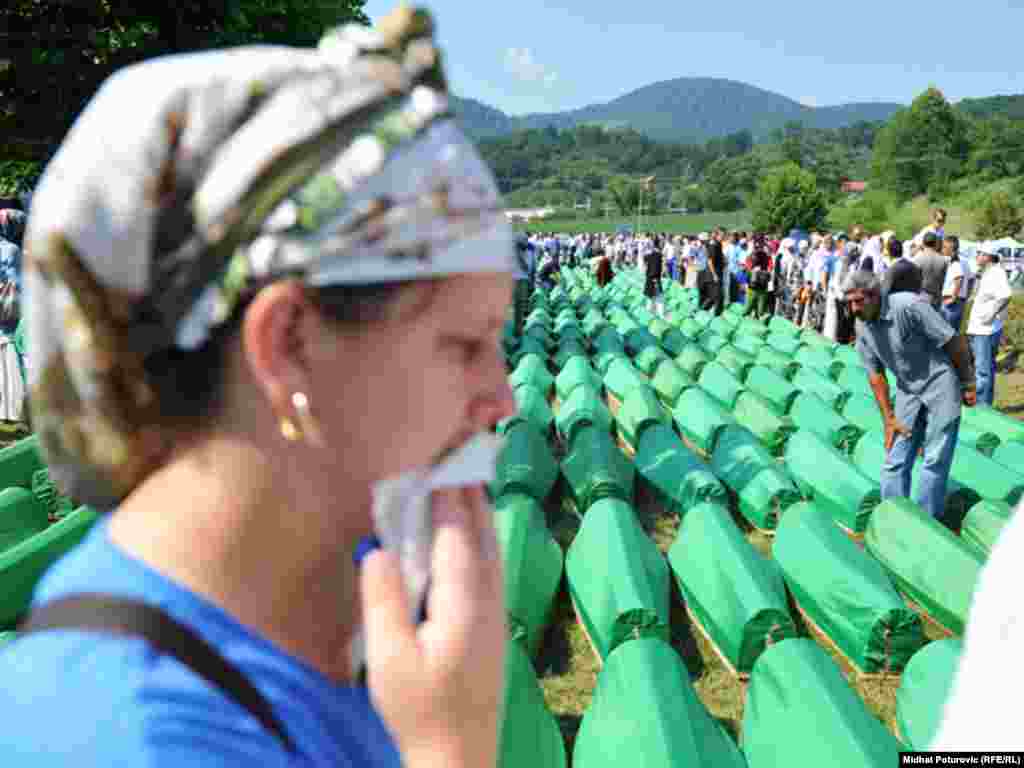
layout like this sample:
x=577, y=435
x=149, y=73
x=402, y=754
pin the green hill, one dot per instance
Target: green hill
x=689, y=109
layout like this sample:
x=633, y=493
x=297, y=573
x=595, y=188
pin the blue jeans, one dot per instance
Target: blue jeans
x=954, y=313
x=984, y=349
x=897, y=472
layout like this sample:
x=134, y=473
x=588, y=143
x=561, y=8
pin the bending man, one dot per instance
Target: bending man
x=903, y=333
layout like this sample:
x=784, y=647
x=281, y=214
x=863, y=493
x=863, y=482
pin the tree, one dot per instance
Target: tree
x=626, y=195
x=58, y=52
x=919, y=144
x=788, y=198
x=998, y=217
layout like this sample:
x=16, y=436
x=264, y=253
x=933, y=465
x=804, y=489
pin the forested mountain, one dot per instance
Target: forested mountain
x=681, y=110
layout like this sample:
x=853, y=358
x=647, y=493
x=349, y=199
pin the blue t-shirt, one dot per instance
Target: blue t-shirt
x=73, y=698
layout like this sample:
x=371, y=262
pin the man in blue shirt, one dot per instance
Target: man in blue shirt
x=903, y=333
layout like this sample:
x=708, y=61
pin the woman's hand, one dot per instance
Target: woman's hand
x=439, y=686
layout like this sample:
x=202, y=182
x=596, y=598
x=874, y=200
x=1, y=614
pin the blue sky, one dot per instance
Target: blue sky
x=535, y=56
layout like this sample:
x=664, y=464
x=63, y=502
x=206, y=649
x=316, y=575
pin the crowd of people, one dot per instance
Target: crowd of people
x=801, y=276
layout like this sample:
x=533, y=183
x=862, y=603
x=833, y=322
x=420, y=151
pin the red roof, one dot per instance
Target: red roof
x=854, y=186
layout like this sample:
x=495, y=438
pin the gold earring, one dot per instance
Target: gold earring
x=288, y=430
x=310, y=427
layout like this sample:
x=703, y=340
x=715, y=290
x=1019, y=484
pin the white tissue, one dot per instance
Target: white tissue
x=403, y=518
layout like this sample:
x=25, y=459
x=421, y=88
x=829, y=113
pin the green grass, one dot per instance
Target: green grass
x=672, y=223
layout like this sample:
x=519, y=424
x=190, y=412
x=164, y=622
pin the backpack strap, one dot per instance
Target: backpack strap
x=133, y=618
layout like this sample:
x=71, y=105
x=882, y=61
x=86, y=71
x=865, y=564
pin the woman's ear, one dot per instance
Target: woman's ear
x=276, y=334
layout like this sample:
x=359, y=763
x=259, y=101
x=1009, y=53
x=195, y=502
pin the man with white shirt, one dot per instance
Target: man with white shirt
x=988, y=313
x=954, y=288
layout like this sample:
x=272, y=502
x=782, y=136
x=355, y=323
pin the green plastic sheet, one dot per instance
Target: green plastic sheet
x=854, y=379
x=576, y=373
x=869, y=456
x=848, y=355
x=829, y=477
x=783, y=365
x=748, y=344
x=22, y=565
x=819, y=359
x=703, y=318
x=722, y=328
x=692, y=359
x=669, y=381
x=680, y=480
x=784, y=344
x=808, y=380
x=700, y=418
x=596, y=469
x=928, y=563
x=812, y=413
x=22, y=516
x=584, y=408
x=752, y=327
x=738, y=363
x=737, y=594
x=645, y=713
x=609, y=340
x=811, y=336
x=529, y=734
x=783, y=326
x=640, y=410
x=719, y=382
x=712, y=343
x=983, y=524
x=779, y=393
x=1010, y=455
x=763, y=489
x=800, y=711
x=621, y=377
x=845, y=591
x=603, y=360
x=690, y=328
x=528, y=347
x=541, y=333
x=532, y=370
x=649, y=359
x=567, y=350
x=924, y=689
x=982, y=441
x=985, y=476
x=862, y=411
x=639, y=339
x=989, y=419
x=532, y=566
x=533, y=409
x=617, y=578
x=525, y=464
x=593, y=322
x=757, y=415
x=19, y=461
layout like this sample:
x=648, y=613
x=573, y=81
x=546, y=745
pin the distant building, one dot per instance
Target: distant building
x=854, y=187
x=525, y=214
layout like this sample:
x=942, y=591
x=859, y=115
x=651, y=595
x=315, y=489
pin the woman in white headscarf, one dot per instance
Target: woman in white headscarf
x=265, y=290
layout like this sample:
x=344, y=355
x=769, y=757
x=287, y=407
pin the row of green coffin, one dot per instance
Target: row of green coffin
x=809, y=410
x=736, y=465
x=29, y=542
x=749, y=610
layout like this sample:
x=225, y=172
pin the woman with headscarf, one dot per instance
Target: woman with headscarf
x=264, y=323
x=12, y=229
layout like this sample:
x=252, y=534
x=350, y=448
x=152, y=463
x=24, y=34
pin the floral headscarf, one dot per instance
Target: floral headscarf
x=336, y=165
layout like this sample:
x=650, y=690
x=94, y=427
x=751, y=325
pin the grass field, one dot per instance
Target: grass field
x=677, y=224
